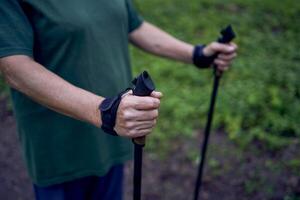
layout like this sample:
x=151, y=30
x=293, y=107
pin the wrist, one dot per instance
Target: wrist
x=189, y=54
x=96, y=117
x=200, y=58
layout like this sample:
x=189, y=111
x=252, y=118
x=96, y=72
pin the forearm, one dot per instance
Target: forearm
x=158, y=42
x=48, y=89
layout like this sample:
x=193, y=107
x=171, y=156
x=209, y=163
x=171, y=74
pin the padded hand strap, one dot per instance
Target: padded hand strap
x=109, y=108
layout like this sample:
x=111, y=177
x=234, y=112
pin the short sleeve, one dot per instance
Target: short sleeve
x=134, y=19
x=16, y=35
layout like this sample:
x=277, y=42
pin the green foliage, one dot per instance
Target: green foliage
x=259, y=97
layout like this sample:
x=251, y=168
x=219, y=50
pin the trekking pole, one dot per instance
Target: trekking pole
x=227, y=35
x=143, y=87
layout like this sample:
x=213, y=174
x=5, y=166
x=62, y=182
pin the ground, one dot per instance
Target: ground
x=230, y=174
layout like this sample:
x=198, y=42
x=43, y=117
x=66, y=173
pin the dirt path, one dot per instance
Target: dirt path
x=230, y=173
x=14, y=182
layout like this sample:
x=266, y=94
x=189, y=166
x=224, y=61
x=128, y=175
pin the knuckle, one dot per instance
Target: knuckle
x=214, y=45
x=155, y=103
x=140, y=133
x=125, y=114
x=127, y=124
x=121, y=106
x=132, y=132
x=123, y=125
x=125, y=103
x=120, y=113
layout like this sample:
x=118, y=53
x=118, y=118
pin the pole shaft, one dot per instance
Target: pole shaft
x=137, y=174
x=206, y=136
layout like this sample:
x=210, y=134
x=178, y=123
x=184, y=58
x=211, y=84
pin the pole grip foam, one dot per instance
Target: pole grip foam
x=144, y=86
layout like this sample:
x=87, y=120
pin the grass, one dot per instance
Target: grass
x=259, y=96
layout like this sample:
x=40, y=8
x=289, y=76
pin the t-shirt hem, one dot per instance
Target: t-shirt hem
x=4, y=52
x=83, y=173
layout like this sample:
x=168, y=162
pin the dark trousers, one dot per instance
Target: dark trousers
x=108, y=187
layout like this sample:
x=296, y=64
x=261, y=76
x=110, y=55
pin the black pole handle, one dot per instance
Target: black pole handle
x=227, y=35
x=144, y=86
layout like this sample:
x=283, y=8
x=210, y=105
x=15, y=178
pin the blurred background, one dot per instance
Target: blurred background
x=254, y=151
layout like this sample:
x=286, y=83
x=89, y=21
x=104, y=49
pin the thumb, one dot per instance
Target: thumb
x=216, y=47
x=156, y=94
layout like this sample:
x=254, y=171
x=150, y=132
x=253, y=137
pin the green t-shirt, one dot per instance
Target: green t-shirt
x=85, y=43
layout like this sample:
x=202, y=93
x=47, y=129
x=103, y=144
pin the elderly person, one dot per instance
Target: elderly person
x=61, y=59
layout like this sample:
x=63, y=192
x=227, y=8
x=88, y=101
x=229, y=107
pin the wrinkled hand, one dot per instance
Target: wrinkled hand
x=136, y=116
x=226, y=54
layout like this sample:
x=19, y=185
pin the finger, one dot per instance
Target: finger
x=234, y=45
x=143, y=132
x=222, y=63
x=222, y=48
x=156, y=94
x=223, y=68
x=146, y=124
x=137, y=125
x=227, y=57
x=145, y=103
x=148, y=115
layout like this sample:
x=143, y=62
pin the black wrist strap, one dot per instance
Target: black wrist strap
x=109, y=108
x=200, y=60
